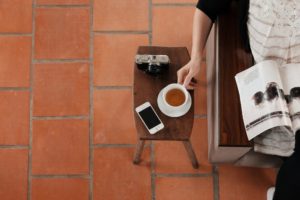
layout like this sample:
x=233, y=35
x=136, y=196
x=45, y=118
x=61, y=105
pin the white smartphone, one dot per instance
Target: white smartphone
x=149, y=118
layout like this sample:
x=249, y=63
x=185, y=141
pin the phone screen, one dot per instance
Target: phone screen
x=149, y=117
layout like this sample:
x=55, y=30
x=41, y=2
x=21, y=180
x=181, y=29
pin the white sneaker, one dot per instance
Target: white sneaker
x=270, y=193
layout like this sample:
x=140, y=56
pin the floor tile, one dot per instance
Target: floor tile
x=60, y=189
x=15, y=61
x=13, y=173
x=181, y=188
x=175, y=1
x=62, y=33
x=171, y=156
x=171, y=28
x=238, y=183
x=16, y=16
x=126, y=15
x=61, y=89
x=60, y=147
x=201, y=92
x=14, y=117
x=114, y=56
x=63, y=2
x=117, y=178
x=113, y=117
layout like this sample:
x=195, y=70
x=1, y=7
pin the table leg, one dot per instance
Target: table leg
x=138, y=152
x=191, y=153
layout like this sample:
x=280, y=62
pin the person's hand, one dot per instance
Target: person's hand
x=187, y=75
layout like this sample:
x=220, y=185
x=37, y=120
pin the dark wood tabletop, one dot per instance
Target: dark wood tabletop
x=147, y=88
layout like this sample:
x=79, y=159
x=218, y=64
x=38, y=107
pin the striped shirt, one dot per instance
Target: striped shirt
x=274, y=34
x=274, y=30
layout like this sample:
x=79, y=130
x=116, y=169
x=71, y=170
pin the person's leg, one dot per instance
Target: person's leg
x=288, y=178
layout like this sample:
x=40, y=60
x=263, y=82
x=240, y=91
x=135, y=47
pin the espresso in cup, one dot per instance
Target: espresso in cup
x=175, y=97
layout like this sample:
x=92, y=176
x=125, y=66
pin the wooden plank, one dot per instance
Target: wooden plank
x=232, y=59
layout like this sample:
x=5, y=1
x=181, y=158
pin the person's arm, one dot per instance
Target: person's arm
x=205, y=14
x=201, y=28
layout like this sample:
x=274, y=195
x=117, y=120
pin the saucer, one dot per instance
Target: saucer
x=172, y=113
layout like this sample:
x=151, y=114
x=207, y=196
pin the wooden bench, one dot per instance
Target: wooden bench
x=225, y=58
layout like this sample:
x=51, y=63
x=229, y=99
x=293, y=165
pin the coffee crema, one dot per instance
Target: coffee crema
x=175, y=97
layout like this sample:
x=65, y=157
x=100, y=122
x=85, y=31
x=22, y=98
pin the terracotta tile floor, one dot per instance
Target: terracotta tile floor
x=66, y=118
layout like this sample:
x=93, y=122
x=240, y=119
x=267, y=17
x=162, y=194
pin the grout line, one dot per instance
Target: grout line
x=41, y=61
x=82, y=176
x=150, y=22
x=16, y=34
x=216, y=182
x=174, y=4
x=183, y=175
x=152, y=143
x=63, y=6
x=112, y=87
x=115, y=145
x=91, y=116
x=120, y=32
x=31, y=103
x=200, y=116
x=14, y=147
x=59, y=117
x=152, y=174
x=14, y=89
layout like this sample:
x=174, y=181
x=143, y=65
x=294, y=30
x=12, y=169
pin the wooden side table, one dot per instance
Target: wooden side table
x=147, y=88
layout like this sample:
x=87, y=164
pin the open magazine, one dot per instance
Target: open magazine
x=270, y=97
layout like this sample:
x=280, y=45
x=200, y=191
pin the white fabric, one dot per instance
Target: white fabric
x=276, y=141
x=274, y=30
x=274, y=34
x=270, y=193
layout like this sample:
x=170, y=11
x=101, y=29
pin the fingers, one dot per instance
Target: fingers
x=185, y=76
x=187, y=80
x=180, y=75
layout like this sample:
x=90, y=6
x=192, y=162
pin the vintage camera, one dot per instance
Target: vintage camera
x=152, y=64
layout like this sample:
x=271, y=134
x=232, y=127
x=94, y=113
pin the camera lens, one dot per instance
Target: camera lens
x=152, y=68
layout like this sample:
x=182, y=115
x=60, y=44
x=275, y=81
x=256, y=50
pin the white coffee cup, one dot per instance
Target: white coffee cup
x=171, y=87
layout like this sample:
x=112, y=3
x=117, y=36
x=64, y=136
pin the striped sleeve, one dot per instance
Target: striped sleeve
x=212, y=8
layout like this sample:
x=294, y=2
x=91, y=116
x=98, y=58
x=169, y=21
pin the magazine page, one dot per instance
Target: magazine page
x=290, y=76
x=262, y=98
